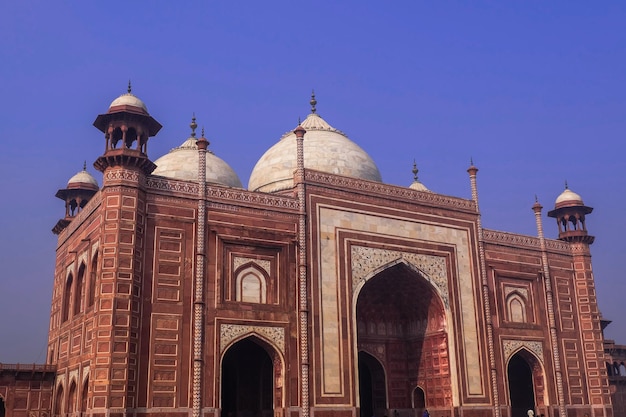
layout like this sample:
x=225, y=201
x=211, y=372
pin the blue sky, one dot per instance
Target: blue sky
x=534, y=92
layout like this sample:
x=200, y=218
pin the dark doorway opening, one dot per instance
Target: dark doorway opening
x=247, y=381
x=372, y=387
x=521, y=388
x=2, y=409
x=419, y=400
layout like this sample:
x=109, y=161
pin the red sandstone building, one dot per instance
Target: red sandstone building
x=318, y=291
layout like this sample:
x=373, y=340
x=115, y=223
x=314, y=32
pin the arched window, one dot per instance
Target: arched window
x=92, y=279
x=516, y=308
x=251, y=286
x=79, y=294
x=67, y=298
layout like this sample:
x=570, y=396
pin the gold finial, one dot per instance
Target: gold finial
x=566, y=187
x=193, y=125
x=85, y=166
x=313, y=102
x=415, y=171
x=129, y=87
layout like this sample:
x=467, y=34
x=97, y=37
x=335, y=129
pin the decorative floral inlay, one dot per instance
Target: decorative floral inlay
x=261, y=263
x=366, y=261
x=230, y=332
x=522, y=291
x=511, y=346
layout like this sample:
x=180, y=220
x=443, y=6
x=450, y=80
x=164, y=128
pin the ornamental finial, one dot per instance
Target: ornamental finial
x=193, y=125
x=313, y=102
x=566, y=187
x=129, y=87
x=415, y=171
x=85, y=166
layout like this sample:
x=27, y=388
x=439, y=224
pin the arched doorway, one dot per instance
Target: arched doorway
x=419, y=400
x=401, y=322
x=521, y=387
x=2, y=407
x=373, y=388
x=248, y=374
x=71, y=398
x=58, y=401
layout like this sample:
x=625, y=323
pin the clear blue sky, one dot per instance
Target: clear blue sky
x=533, y=91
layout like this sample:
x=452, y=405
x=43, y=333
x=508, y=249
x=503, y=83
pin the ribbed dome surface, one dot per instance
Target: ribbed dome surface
x=181, y=163
x=325, y=149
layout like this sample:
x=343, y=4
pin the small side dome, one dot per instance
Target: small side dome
x=568, y=198
x=83, y=180
x=181, y=163
x=326, y=149
x=128, y=102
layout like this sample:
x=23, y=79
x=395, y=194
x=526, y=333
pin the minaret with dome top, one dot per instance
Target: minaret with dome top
x=80, y=188
x=117, y=332
x=569, y=212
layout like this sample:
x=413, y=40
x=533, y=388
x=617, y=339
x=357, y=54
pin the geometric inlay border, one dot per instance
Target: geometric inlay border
x=366, y=260
x=230, y=332
x=511, y=346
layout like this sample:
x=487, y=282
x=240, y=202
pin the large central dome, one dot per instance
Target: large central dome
x=325, y=149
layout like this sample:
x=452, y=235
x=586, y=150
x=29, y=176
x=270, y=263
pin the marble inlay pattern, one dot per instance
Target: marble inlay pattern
x=367, y=260
x=511, y=346
x=522, y=291
x=261, y=263
x=230, y=332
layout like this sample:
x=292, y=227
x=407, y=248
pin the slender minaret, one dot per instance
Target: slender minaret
x=472, y=170
x=198, y=302
x=547, y=282
x=302, y=268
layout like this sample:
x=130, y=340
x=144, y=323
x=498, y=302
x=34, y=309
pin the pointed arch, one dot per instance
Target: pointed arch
x=252, y=377
x=67, y=297
x=72, y=396
x=83, y=396
x=526, y=382
x=58, y=401
x=79, y=291
x=251, y=284
x=399, y=313
x=93, y=271
x=373, y=395
x=516, y=305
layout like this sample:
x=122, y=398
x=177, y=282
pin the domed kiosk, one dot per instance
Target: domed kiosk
x=80, y=188
x=326, y=149
x=181, y=163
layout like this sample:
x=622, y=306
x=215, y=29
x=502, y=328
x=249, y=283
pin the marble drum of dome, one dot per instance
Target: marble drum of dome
x=326, y=149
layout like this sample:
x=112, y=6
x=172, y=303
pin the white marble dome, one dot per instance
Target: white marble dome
x=325, y=149
x=129, y=99
x=568, y=198
x=83, y=179
x=181, y=163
